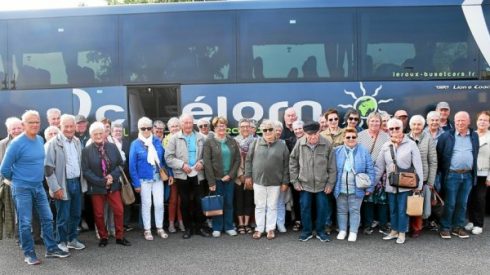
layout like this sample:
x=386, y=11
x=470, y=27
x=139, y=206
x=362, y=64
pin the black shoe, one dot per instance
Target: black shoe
x=128, y=228
x=103, y=243
x=187, y=234
x=123, y=242
x=203, y=232
x=57, y=253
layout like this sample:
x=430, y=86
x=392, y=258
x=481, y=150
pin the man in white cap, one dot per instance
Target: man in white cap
x=445, y=111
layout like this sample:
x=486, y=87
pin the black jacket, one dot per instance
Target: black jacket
x=92, y=170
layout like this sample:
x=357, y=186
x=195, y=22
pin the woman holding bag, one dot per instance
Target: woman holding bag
x=221, y=161
x=352, y=159
x=406, y=155
x=145, y=159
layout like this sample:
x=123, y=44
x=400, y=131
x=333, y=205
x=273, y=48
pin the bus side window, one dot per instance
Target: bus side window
x=386, y=69
x=368, y=66
x=80, y=75
x=309, y=68
x=258, y=68
x=30, y=76
x=293, y=73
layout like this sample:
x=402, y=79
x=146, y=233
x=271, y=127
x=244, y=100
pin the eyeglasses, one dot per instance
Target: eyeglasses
x=203, y=126
x=354, y=118
x=333, y=119
x=268, y=130
x=394, y=128
x=146, y=128
x=351, y=137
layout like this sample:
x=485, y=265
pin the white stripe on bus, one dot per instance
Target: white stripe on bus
x=473, y=12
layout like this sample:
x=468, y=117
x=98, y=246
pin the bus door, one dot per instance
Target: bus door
x=155, y=102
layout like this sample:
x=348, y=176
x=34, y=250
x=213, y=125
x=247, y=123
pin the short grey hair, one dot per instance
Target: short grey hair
x=47, y=130
x=184, y=116
x=415, y=118
x=394, y=122
x=298, y=124
x=159, y=124
x=267, y=123
x=173, y=121
x=433, y=114
x=144, y=121
x=278, y=125
x=374, y=115
x=11, y=121
x=66, y=117
x=116, y=126
x=52, y=111
x=203, y=121
x=96, y=126
x=29, y=113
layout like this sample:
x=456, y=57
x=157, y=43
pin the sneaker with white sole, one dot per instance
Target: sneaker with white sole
x=63, y=247
x=32, y=260
x=281, y=228
x=469, y=226
x=216, y=234
x=148, y=235
x=342, y=234
x=75, y=244
x=401, y=238
x=231, y=232
x=162, y=233
x=477, y=230
x=352, y=237
x=56, y=253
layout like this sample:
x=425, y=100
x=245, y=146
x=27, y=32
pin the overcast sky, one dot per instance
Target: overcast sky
x=46, y=4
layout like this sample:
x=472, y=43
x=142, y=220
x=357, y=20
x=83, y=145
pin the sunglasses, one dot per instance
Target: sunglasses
x=354, y=118
x=203, y=126
x=350, y=137
x=333, y=119
x=268, y=130
x=146, y=128
x=394, y=128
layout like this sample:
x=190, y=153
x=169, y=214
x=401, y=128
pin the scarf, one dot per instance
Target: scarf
x=349, y=159
x=244, y=144
x=152, y=156
x=105, y=163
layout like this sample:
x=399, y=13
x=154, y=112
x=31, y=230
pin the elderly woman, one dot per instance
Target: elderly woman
x=352, y=119
x=334, y=133
x=266, y=167
x=476, y=203
x=299, y=133
x=376, y=203
x=159, y=129
x=434, y=128
x=428, y=153
x=100, y=165
x=204, y=127
x=221, y=161
x=352, y=158
x=406, y=153
x=384, y=121
x=50, y=133
x=281, y=201
x=174, y=200
x=145, y=160
x=244, y=198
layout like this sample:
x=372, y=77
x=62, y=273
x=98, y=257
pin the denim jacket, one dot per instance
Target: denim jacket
x=362, y=164
x=139, y=168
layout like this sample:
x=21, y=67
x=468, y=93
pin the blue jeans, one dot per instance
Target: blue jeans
x=68, y=212
x=225, y=221
x=371, y=210
x=456, y=188
x=322, y=206
x=25, y=199
x=348, y=210
x=398, y=211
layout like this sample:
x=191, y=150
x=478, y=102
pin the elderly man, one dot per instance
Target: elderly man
x=14, y=128
x=62, y=168
x=184, y=155
x=81, y=129
x=53, y=115
x=445, y=111
x=457, y=153
x=23, y=164
x=403, y=116
x=313, y=171
x=288, y=132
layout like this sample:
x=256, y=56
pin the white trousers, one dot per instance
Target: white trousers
x=149, y=188
x=265, y=198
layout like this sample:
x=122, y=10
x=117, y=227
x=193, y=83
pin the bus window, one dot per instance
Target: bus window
x=484, y=64
x=424, y=43
x=58, y=52
x=178, y=47
x=311, y=45
x=3, y=56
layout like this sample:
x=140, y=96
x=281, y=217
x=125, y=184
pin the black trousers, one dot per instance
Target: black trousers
x=244, y=201
x=191, y=192
x=476, y=202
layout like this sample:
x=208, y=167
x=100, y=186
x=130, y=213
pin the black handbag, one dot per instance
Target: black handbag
x=404, y=178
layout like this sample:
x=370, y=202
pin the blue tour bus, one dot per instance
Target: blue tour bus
x=246, y=58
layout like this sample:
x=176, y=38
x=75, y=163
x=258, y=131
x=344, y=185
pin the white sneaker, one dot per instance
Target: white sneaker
x=401, y=238
x=352, y=237
x=469, y=226
x=148, y=235
x=281, y=228
x=341, y=235
x=216, y=234
x=63, y=247
x=75, y=244
x=477, y=230
x=231, y=232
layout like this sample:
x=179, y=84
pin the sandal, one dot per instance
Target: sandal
x=248, y=229
x=241, y=229
x=271, y=235
x=297, y=226
x=257, y=235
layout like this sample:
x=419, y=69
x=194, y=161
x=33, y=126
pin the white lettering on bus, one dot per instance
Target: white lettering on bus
x=100, y=113
x=197, y=108
x=258, y=111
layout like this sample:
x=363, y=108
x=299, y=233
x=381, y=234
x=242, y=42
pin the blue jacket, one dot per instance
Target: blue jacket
x=139, y=168
x=445, y=147
x=362, y=164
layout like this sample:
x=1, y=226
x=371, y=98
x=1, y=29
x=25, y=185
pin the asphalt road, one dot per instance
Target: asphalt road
x=428, y=254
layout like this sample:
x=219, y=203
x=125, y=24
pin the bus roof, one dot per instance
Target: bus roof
x=230, y=5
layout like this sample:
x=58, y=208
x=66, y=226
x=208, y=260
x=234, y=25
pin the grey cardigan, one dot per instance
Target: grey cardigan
x=406, y=154
x=176, y=154
x=268, y=164
x=428, y=153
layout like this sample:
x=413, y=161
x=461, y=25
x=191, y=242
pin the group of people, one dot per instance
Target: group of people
x=327, y=175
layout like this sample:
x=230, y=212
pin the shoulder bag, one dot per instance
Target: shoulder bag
x=212, y=205
x=404, y=178
x=127, y=193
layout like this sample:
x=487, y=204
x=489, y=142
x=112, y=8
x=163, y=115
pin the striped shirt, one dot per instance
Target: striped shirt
x=365, y=139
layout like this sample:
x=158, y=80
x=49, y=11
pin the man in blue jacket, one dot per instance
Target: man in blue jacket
x=457, y=153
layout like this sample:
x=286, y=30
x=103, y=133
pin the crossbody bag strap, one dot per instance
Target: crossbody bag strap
x=392, y=151
x=374, y=144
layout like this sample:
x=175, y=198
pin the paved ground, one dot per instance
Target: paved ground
x=285, y=255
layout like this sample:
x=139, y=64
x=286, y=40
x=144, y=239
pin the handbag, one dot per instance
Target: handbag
x=212, y=205
x=127, y=193
x=405, y=178
x=415, y=205
x=437, y=204
x=362, y=180
x=163, y=173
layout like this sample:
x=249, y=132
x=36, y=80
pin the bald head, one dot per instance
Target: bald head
x=290, y=117
x=462, y=121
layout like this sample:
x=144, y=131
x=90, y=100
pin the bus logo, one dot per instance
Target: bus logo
x=365, y=104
